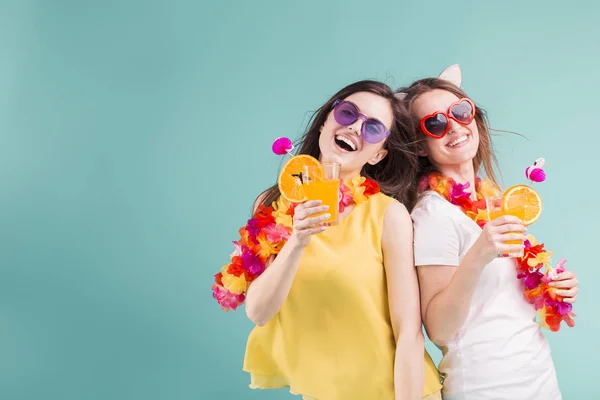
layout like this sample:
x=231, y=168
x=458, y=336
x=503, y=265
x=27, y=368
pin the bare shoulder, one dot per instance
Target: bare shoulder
x=397, y=226
x=396, y=214
x=397, y=241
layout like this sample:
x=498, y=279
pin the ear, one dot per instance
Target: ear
x=401, y=95
x=452, y=74
x=422, y=149
x=380, y=155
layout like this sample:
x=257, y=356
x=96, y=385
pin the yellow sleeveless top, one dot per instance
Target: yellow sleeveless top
x=333, y=337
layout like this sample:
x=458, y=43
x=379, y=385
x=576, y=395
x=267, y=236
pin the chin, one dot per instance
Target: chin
x=329, y=157
x=467, y=154
x=472, y=153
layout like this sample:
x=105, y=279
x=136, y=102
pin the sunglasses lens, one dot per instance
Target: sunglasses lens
x=463, y=112
x=345, y=113
x=436, y=125
x=373, y=131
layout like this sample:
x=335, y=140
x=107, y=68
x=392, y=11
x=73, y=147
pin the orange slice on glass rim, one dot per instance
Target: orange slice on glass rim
x=290, y=177
x=532, y=202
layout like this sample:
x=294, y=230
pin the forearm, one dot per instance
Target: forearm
x=448, y=310
x=268, y=292
x=409, y=367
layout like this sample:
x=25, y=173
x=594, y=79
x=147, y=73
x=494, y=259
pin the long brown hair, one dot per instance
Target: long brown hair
x=485, y=156
x=395, y=174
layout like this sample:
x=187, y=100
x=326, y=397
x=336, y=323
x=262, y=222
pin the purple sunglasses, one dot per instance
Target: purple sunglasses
x=372, y=130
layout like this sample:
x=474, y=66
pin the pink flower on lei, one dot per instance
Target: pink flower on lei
x=345, y=196
x=277, y=233
x=227, y=300
x=459, y=196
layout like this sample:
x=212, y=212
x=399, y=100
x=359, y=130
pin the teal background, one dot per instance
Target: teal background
x=135, y=135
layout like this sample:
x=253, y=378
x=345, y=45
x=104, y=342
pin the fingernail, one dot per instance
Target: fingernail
x=325, y=208
x=554, y=277
x=552, y=284
x=326, y=216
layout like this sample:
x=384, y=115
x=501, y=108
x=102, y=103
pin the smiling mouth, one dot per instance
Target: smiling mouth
x=458, y=141
x=345, y=143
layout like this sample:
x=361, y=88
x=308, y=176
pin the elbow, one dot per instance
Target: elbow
x=254, y=316
x=259, y=322
x=439, y=339
x=439, y=342
x=260, y=310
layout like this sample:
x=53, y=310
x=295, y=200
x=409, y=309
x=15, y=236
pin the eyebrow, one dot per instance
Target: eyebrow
x=357, y=107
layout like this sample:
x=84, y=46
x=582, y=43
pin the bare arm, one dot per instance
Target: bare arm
x=446, y=294
x=268, y=292
x=446, y=291
x=403, y=293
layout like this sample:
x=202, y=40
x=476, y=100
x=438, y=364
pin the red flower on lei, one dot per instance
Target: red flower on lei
x=264, y=235
x=533, y=268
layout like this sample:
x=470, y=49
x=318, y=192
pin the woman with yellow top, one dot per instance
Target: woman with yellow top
x=337, y=308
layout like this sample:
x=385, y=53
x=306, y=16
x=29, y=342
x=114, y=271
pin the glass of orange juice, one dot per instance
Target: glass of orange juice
x=326, y=189
x=514, y=205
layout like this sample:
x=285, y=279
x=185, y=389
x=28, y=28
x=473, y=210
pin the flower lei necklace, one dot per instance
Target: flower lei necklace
x=264, y=235
x=550, y=306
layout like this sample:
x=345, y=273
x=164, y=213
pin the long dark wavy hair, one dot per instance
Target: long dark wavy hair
x=485, y=156
x=395, y=174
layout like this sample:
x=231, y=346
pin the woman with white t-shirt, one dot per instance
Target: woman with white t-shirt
x=473, y=305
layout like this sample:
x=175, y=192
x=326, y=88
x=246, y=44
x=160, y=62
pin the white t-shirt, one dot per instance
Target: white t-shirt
x=500, y=352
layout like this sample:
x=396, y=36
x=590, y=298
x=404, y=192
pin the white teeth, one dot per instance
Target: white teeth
x=347, y=141
x=457, y=141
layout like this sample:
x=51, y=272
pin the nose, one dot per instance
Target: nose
x=356, y=126
x=453, y=126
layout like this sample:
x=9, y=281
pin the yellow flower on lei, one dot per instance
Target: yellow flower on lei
x=235, y=284
x=356, y=190
x=280, y=208
x=532, y=240
x=542, y=258
x=441, y=187
x=482, y=215
x=265, y=249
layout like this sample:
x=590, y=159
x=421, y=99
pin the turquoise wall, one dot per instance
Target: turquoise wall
x=134, y=136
